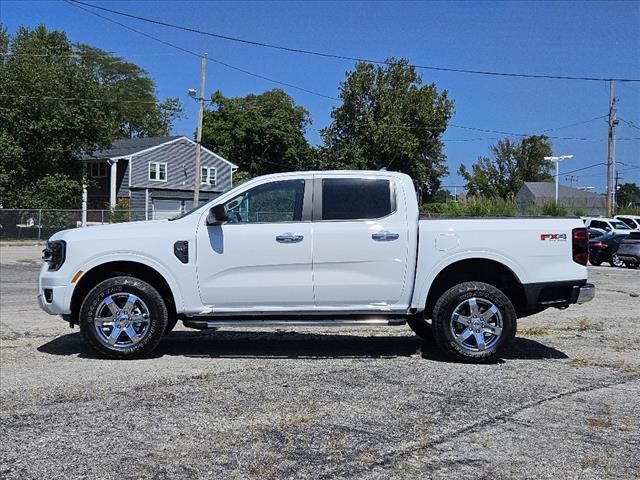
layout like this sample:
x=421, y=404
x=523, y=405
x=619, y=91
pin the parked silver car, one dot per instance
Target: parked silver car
x=629, y=250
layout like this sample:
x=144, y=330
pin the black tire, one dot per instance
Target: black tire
x=616, y=261
x=115, y=293
x=461, y=296
x=171, y=324
x=595, y=260
x=420, y=326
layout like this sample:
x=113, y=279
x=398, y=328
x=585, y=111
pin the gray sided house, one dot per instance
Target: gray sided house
x=155, y=176
x=536, y=194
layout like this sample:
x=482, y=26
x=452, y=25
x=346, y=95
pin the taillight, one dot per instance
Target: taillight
x=598, y=244
x=580, y=245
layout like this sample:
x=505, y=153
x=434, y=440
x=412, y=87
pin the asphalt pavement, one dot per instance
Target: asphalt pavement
x=357, y=403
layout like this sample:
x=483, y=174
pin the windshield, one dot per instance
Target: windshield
x=620, y=225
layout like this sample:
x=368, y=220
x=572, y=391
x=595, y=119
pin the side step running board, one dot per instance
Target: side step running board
x=254, y=322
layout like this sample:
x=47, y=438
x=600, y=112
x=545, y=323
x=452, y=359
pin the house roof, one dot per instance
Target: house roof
x=135, y=146
x=130, y=146
x=548, y=190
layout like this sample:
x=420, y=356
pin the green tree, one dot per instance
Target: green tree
x=389, y=119
x=508, y=167
x=628, y=195
x=44, y=129
x=58, y=100
x=130, y=95
x=259, y=133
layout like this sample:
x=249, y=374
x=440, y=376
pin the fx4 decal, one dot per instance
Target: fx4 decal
x=554, y=237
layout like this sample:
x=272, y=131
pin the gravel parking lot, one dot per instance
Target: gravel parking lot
x=563, y=402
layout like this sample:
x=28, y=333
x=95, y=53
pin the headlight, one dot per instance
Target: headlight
x=55, y=254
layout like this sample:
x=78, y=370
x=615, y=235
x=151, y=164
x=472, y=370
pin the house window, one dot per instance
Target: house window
x=98, y=170
x=157, y=172
x=208, y=176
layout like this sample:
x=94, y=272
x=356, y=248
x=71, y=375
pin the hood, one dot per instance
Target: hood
x=115, y=231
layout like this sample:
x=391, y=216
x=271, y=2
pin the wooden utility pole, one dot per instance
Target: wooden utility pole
x=612, y=123
x=572, y=178
x=198, y=173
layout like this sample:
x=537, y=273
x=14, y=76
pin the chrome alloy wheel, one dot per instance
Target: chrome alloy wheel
x=616, y=260
x=476, y=324
x=121, y=320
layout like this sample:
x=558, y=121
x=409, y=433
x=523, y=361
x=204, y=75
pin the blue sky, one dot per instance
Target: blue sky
x=564, y=38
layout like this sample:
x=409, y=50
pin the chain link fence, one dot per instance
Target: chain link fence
x=40, y=224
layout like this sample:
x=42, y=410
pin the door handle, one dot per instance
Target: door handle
x=385, y=236
x=289, y=238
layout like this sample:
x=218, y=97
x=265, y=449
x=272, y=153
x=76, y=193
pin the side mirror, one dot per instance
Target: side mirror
x=217, y=216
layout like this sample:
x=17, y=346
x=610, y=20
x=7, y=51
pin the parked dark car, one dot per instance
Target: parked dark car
x=604, y=249
x=629, y=250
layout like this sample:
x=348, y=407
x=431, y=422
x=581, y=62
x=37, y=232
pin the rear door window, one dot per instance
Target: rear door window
x=356, y=198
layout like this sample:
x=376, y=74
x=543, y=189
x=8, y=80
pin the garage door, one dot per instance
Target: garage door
x=163, y=209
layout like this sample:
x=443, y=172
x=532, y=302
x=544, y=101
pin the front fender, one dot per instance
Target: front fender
x=135, y=258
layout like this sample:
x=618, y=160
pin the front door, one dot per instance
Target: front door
x=261, y=258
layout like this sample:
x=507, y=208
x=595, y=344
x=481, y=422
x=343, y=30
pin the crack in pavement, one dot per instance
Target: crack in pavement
x=504, y=416
x=631, y=294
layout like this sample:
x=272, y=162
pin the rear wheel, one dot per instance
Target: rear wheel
x=616, y=261
x=595, y=260
x=473, y=321
x=123, y=317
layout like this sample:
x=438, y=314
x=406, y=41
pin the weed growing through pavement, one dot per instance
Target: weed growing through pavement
x=599, y=423
x=534, y=331
x=583, y=324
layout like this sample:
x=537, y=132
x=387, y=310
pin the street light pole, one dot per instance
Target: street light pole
x=557, y=161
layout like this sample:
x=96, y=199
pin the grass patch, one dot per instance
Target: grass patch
x=28, y=261
x=587, y=463
x=534, y=331
x=583, y=324
x=579, y=362
x=297, y=420
x=599, y=423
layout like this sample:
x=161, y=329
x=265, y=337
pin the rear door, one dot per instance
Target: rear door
x=360, y=251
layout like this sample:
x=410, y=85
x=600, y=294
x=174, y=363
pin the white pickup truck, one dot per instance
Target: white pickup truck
x=314, y=248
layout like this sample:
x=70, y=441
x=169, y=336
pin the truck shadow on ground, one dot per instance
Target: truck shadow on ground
x=291, y=344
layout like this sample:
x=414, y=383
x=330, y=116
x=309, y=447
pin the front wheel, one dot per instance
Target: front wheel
x=473, y=321
x=123, y=317
x=616, y=261
x=420, y=326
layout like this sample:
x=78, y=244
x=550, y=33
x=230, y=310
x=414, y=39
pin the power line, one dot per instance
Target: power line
x=83, y=54
x=409, y=127
x=191, y=52
x=345, y=57
x=583, y=168
x=628, y=123
x=629, y=165
x=77, y=99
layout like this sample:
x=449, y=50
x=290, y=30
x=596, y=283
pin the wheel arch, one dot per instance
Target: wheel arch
x=484, y=270
x=114, y=268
